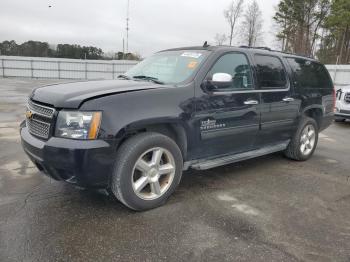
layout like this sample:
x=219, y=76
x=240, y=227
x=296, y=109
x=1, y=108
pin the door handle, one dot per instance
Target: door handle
x=251, y=102
x=288, y=99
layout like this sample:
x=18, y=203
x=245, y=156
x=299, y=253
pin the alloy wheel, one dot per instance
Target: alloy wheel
x=153, y=173
x=307, y=139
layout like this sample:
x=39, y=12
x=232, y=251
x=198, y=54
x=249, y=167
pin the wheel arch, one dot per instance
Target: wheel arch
x=315, y=112
x=171, y=127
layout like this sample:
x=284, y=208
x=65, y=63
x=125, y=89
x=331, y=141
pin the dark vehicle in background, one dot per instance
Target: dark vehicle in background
x=194, y=107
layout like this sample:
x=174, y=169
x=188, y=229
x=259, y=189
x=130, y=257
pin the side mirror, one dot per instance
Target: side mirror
x=222, y=78
x=219, y=81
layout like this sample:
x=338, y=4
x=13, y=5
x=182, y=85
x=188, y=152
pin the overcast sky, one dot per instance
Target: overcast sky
x=154, y=24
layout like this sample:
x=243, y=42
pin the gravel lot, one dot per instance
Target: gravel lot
x=265, y=209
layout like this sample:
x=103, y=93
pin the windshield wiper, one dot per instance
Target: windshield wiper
x=149, y=78
x=124, y=77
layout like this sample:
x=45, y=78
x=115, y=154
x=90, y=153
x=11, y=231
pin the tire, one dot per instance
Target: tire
x=142, y=158
x=339, y=119
x=295, y=148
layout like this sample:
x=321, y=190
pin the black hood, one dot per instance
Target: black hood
x=72, y=95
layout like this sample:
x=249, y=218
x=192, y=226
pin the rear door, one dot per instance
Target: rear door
x=279, y=108
x=313, y=86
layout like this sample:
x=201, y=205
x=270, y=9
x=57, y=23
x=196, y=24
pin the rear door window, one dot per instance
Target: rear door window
x=308, y=74
x=271, y=72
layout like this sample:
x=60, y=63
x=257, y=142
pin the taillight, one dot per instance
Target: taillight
x=334, y=98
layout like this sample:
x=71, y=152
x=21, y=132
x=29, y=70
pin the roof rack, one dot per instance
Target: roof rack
x=272, y=50
x=293, y=54
x=258, y=47
x=263, y=48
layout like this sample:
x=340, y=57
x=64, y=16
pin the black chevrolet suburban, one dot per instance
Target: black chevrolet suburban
x=193, y=107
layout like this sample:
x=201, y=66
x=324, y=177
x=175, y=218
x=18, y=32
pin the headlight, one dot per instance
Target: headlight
x=78, y=124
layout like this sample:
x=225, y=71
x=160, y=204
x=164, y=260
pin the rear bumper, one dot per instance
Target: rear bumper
x=341, y=115
x=84, y=163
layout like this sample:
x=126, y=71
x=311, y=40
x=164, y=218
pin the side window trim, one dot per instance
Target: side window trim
x=294, y=80
x=249, y=62
x=271, y=89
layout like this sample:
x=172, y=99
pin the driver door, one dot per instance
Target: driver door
x=227, y=117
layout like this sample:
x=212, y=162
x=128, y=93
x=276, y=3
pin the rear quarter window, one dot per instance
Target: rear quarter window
x=309, y=74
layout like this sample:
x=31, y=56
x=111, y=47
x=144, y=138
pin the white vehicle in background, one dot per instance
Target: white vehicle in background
x=342, y=106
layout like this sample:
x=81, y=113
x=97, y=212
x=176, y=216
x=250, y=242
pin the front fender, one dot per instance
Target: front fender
x=121, y=112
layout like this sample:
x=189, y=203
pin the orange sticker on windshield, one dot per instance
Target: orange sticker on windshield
x=192, y=64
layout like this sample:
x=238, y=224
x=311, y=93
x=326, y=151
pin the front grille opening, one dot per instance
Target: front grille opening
x=347, y=97
x=41, y=109
x=37, y=128
x=40, y=119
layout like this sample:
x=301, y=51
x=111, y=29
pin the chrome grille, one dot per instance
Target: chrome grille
x=39, y=119
x=347, y=97
x=40, y=109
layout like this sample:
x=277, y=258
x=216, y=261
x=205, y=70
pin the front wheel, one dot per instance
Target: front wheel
x=304, y=141
x=148, y=170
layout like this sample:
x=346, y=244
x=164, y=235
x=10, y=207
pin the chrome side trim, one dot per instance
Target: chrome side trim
x=228, y=131
x=277, y=123
x=251, y=91
x=251, y=102
x=288, y=99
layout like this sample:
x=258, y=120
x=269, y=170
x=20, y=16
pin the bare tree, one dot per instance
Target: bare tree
x=232, y=14
x=252, y=24
x=220, y=39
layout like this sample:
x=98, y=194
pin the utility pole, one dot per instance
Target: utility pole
x=123, y=49
x=127, y=27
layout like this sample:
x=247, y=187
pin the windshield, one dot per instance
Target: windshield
x=170, y=67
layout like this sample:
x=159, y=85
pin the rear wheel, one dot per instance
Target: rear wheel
x=303, y=143
x=148, y=170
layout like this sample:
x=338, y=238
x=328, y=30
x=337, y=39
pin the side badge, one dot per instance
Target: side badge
x=210, y=124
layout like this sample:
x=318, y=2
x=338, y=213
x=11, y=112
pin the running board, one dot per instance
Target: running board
x=229, y=159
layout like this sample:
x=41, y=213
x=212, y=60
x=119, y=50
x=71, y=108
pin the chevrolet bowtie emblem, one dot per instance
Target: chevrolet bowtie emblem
x=29, y=114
